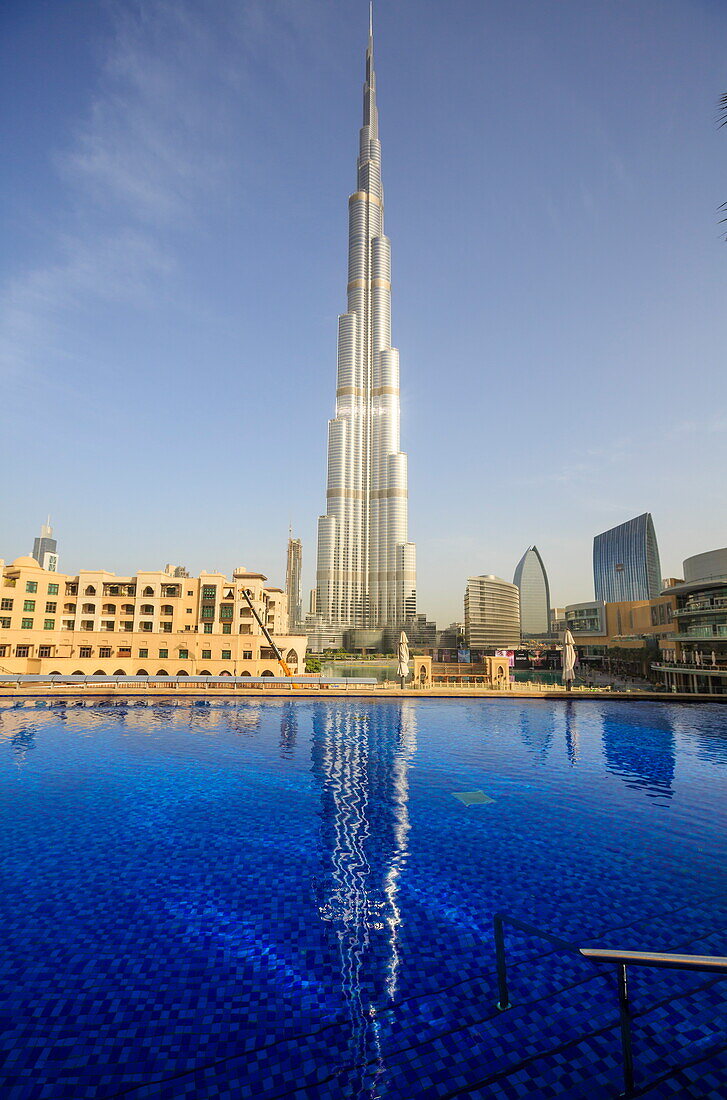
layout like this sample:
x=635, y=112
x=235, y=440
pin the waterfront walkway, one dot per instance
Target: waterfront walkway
x=240, y=688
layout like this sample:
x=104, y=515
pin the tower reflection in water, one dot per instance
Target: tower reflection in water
x=641, y=751
x=362, y=761
x=288, y=730
x=572, y=740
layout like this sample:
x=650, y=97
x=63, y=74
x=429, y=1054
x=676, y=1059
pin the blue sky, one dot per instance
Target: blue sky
x=174, y=199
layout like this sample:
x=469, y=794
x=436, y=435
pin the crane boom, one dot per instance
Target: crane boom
x=281, y=660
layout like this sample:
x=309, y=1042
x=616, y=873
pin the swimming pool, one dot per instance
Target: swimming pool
x=288, y=899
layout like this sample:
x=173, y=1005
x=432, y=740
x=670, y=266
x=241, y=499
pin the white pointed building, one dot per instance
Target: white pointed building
x=366, y=566
x=532, y=581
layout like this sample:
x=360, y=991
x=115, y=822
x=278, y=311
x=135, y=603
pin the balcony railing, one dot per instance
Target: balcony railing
x=714, y=630
x=707, y=669
x=695, y=608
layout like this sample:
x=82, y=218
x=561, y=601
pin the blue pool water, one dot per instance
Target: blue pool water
x=286, y=899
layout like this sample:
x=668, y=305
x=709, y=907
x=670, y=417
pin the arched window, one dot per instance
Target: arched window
x=167, y=609
x=292, y=657
x=55, y=673
x=225, y=672
x=119, y=672
x=245, y=672
x=109, y=609
x=78, y=673
x=147, y=609
x=148, y=591
x=99, y=672
x=142, y=672
x=127, y=608
x=182, y=673
x=204, y=672
x=90, y=590
x=267, y=672
x=162, y=672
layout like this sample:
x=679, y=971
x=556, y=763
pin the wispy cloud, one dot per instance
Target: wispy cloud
x=149, y=147
x=709, y=425
x=147, y=159
x=583, y=465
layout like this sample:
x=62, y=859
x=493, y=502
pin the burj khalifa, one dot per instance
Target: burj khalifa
x=366, y=567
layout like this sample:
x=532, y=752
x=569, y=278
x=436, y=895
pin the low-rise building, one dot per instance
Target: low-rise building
x=154, y=623
x=489, y=672
x=694, y=658
x=322, y=636
x=628, y=624
x=557, y=621
x=491, y=614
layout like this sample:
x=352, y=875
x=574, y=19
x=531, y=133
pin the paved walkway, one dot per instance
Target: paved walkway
x=180, y=690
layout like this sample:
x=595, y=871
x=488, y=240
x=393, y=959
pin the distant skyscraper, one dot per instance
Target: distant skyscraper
x=45, y=548
x=532, y=580
x=176, y=570
x=366, y=567
x=292, y=582
x=626, y=562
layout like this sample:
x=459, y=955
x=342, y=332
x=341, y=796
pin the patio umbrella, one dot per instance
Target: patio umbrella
x=403, y=655
x=568, y=659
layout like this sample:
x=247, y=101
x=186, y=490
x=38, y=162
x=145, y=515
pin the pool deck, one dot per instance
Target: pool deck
x=353, y=691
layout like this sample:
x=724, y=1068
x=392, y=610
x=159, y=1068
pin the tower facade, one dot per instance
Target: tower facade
x=626, y=562
x=293, y=567
x=532, y=581
x=45, y=548
x=366, y=566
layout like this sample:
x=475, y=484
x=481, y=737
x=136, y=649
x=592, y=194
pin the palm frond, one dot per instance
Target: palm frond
x=722, y=108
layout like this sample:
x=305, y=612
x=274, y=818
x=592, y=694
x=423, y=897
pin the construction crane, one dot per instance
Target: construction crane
x=281, y=660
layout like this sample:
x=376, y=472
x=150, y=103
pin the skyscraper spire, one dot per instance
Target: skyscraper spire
x=370, y=114
x=366, y=571
x=45, y=548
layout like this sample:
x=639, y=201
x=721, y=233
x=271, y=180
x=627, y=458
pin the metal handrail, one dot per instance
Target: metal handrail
x=499, y=922
x=622, y=959
x=715, y=964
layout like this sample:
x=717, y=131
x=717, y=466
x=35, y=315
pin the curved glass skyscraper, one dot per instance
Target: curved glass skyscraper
x=532, y=580
x=626, y=562
x=366, y=567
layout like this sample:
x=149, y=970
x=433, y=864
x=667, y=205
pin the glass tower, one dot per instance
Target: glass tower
x=366, y=566
x=45, y=548
x=626, y=562
x=532, y=580
x=293, y=569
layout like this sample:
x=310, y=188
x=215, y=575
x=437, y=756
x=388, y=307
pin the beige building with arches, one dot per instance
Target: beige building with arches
x=151, y=624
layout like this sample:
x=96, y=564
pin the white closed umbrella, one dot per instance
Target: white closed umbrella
x=403, y=656
x=714, y=659
x=569, y=660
